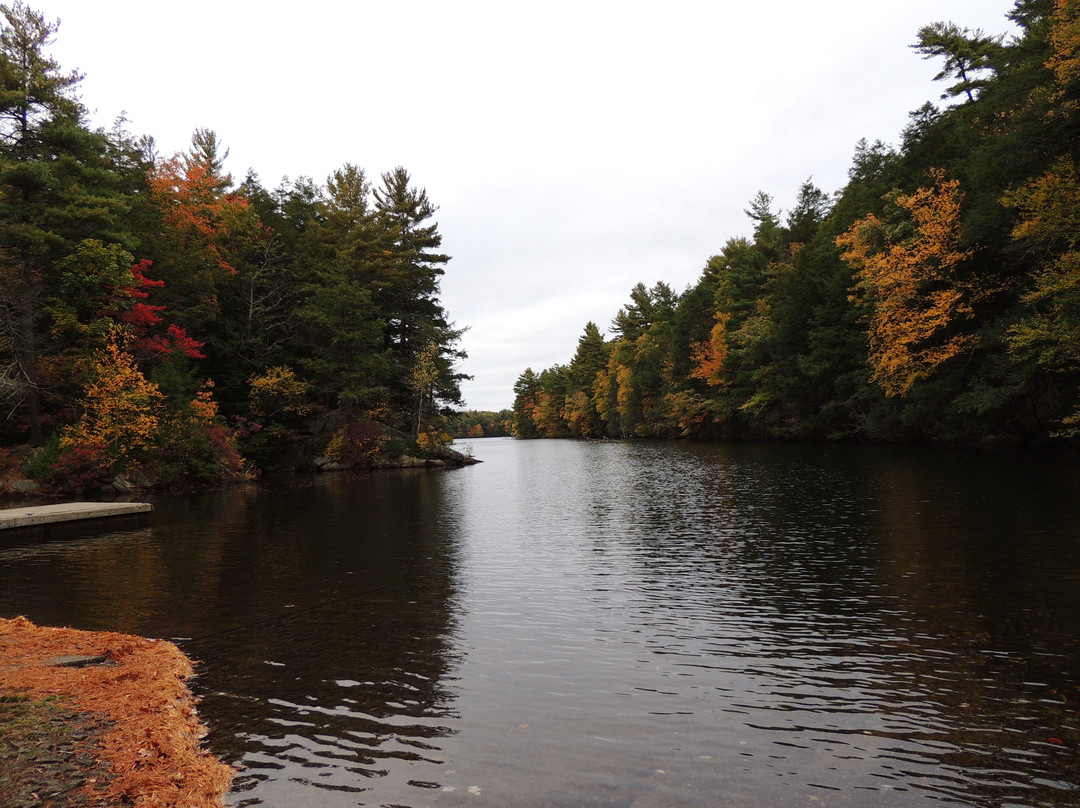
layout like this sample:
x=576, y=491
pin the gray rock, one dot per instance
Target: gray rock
x=122, y=485
x=400, y=462
x=453, y=457
x=80, y=661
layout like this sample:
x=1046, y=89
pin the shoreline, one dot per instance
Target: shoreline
x=136, y=730
x=17, y=491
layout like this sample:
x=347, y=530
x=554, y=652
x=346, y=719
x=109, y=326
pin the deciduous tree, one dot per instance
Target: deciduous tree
x=121, y=411
x=909, y=274
x=1049, y=226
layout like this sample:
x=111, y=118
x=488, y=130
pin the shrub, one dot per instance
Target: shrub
x=357, y=442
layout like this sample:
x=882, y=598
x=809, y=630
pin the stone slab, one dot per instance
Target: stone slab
x=68, y=512
x=80, y=661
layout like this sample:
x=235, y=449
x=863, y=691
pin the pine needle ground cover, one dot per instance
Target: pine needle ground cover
x=119, y=732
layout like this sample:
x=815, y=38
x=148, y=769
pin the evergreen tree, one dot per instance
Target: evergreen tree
x=57, y=187
x=343, y=323
x=646, y=307
x=258, y=327
x=812, y=205
x=967, y=55
x=589, y=358
x=407, y=292
x=526, y=392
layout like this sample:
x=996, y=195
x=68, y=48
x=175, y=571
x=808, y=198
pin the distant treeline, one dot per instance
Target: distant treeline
x=482, y=424
x=935, y=297
x=155, y=316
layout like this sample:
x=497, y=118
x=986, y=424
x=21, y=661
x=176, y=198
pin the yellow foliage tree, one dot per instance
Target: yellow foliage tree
x=1065, y=38
x=422, y=379
x=909, y=276
x=1049, y=224
x=121, y=411
x=624, y=392
x=684, y=410
x=579, y=414
x=277, y=391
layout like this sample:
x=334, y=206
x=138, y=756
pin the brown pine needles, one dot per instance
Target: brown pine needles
x=152, y=743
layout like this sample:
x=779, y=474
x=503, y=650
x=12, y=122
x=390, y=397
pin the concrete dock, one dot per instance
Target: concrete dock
x=71, y=512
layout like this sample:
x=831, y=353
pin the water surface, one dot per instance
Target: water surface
x=617, y=624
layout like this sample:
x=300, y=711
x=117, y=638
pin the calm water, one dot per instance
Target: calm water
x=609, y=624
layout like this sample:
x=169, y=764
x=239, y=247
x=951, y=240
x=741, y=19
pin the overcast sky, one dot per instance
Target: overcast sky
x=573, y=148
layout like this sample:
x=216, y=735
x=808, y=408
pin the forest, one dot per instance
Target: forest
x=160, y=320
x=935, y=297
x=482, y=424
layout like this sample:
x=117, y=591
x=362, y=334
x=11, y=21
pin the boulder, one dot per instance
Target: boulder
x=25, y=487
x=122, y=485
x=453, y=457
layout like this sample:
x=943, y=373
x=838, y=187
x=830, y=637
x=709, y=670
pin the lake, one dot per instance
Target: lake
x=616, y=624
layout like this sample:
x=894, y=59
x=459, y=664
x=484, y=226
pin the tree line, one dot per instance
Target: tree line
x=482, y=424
x=156, y=315
x=936, y=296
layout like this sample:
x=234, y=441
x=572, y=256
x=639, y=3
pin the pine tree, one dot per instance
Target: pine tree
x=407, y=294
x=342, y=323
x=968, y=54
x=56, y=188
x=526, y=394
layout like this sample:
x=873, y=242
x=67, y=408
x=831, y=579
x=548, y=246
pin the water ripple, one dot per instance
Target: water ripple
x=619, y=624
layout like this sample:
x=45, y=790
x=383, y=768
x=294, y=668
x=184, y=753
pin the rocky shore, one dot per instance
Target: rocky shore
x=100, y=719
x=445, y=458
x=122, y=486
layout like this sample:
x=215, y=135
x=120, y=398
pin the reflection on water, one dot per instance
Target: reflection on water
x=617, y=624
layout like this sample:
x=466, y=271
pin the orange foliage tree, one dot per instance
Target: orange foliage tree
x=126, y=422
x=194, y=204
x=207, y=230
x=121, y=411
x=197, y=444
x=909, y=275
x=708, y=356
x=547, y=414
